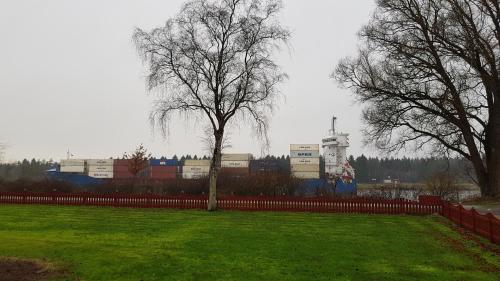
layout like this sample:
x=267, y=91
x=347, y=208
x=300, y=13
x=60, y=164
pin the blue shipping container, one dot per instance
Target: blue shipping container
x=163, y=162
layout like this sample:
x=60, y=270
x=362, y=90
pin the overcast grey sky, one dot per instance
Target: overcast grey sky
x=70, y=77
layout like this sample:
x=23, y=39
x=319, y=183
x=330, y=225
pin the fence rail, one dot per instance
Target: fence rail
x=487, y=225
x=244, y=203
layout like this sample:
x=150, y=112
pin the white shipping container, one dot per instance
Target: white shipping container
x=304, y=168
x=101, y=175
x=312, y=161
x=196, y=162
x=237, y=157
x=306, y=175
x=234, y=164
x=195, y=169
x=194, y=175
x=100, y=168
x=304, y=153
x=314, y=147
x=72, y=169
x=100, y=162
x=72, y=162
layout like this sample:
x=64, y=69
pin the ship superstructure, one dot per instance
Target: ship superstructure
x=335, y=152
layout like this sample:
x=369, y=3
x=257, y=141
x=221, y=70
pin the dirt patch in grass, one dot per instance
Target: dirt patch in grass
x=27, y=270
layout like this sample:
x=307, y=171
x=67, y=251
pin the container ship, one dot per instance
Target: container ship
x=304, y=165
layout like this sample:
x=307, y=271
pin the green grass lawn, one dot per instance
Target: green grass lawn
x=132, y=244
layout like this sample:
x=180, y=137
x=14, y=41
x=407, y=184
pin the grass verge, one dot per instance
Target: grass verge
x=138, y=244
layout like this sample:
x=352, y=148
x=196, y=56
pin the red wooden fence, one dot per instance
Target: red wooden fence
x=486, y=225
x=244, y=203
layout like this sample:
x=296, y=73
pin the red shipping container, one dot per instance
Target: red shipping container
x=235, y=171
x=162, y=172
x=163, y=169
x=164, y=176
x=121, y=162
x=122, y=175
x=120, y=168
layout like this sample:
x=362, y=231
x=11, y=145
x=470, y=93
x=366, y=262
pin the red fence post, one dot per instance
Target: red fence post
x=473, y=211
x=490, y=224
x=460, y=215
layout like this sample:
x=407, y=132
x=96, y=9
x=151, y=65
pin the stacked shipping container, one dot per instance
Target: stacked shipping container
x=236, y=164
x=304, y=161
x=231, y=164
x=162, y=169
x=72, y=166
x=194, y=169
x=100, y=168
x=121, y=169
x=269, y=166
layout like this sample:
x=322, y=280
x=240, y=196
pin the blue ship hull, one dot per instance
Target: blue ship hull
x=73, y=179
x=313, y=187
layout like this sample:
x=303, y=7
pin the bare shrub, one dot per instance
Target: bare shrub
x=444, y=185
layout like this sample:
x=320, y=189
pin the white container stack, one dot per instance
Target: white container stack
x=100, y=168
x=72, y=166
x=236, y=164
x=194, y=169
x=304, y=161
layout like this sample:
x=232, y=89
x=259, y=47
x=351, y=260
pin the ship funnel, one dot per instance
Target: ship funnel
x=333, y=124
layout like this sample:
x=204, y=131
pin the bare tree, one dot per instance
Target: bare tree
x=428, y=71
x=443, y=184
x=214, y=60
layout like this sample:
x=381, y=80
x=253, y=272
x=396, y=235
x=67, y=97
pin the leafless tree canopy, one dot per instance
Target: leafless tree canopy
x=214, y=59
x=428, y=72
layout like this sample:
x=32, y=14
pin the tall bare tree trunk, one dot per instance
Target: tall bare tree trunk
x=492, y=187
x=493, y=181
x=214, y=171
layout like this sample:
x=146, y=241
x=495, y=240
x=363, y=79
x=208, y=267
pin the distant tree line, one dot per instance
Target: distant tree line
x=25, y=170
x=368, y=169
x=189, y=157
x=409, y=170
